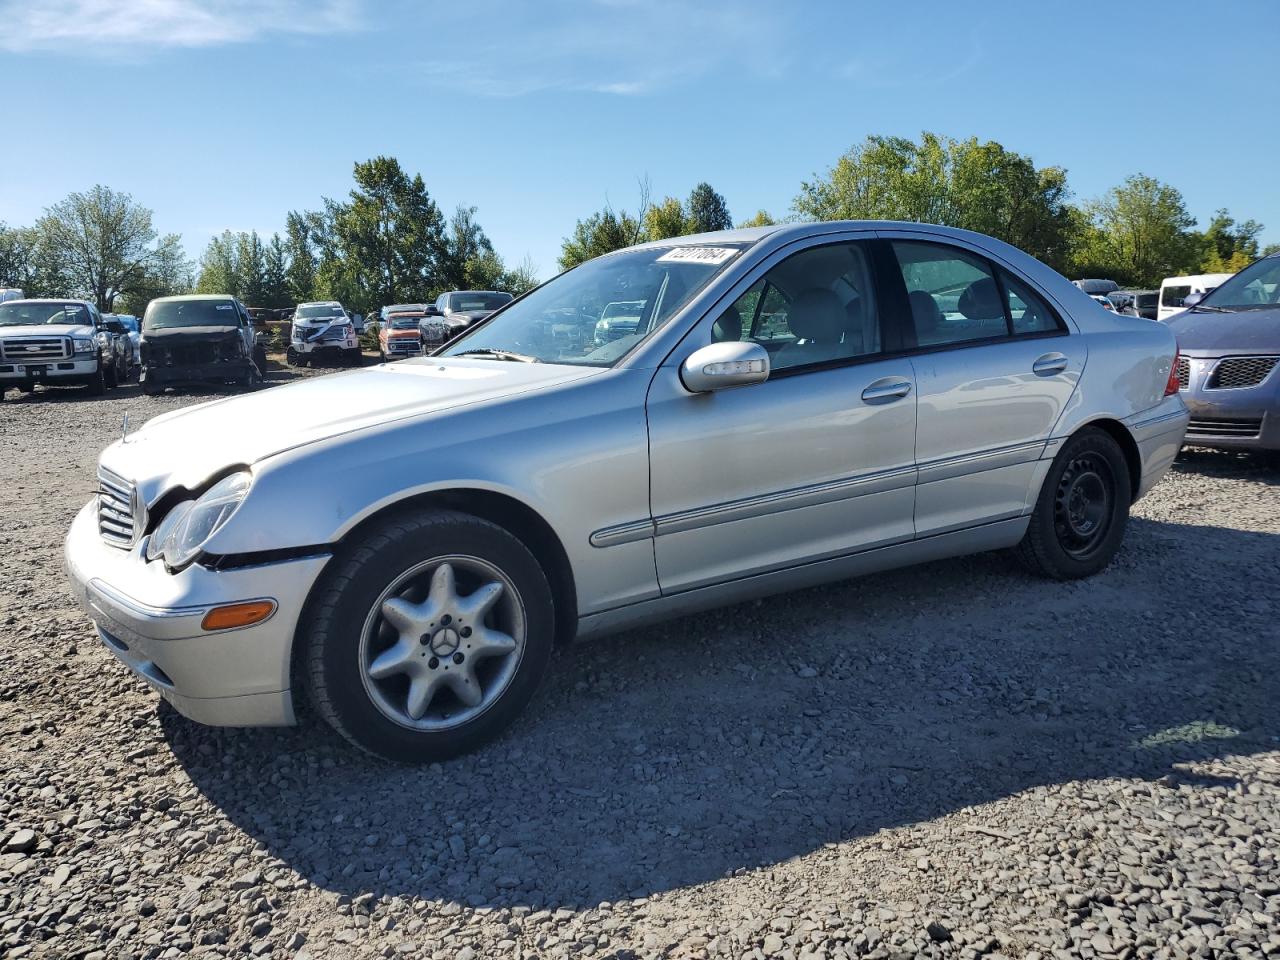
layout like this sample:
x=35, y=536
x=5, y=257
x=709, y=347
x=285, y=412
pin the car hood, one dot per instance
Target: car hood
x=469, y=316
x=186, y=447
x=1226, y=334
x=178, y=334
x=48, y=330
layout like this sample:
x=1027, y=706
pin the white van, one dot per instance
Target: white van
x=1174, y=290
x=11, y=293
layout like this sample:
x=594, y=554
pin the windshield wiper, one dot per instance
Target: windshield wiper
x=1209, y=308
x=498, y=355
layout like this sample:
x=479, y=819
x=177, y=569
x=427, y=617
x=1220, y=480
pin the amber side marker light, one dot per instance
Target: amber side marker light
x=238, y=615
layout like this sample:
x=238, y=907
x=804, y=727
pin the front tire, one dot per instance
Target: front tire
x=97, y=385
x=428, y=637
x=1080, y=516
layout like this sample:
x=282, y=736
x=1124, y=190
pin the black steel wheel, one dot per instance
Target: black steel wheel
x=1082, y=509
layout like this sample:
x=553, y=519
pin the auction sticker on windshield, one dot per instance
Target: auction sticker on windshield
x=712, y=255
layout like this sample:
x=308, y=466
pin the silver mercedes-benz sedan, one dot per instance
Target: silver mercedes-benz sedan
x=802, y=403
x=1230, y=350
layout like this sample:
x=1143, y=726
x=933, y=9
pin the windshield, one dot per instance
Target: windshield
x=130, y=323
x=16, y=313
x=1256, y=286
x=556, y=323
x=404, y=323
x=318, y=311
x=478, y=301
x=168, y=314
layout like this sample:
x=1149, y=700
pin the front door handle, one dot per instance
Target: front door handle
x=1049, y=364
x=886, y=390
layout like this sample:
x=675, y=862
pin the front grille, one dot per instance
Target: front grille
x=1235, y=372
x=27, y=349
x=1184, y=373
x=334, y=333
x=1221, y=427
x=403, y=345
x=188, y=354
x=116, y=497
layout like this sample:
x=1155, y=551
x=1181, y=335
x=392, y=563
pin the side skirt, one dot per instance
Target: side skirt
x=991, y=536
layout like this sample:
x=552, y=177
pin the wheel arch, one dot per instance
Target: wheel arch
x=1128, y=445
x=514, y=516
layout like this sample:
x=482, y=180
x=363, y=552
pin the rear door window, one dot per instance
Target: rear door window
x=952, y=293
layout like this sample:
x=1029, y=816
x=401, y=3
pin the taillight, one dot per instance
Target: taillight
x=1171, y=387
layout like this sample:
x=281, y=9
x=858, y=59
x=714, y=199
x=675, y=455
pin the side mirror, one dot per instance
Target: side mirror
x=432, y=311
x=1191, y=299
x=733, y=363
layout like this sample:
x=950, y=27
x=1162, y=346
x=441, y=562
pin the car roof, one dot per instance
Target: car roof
x=51, y=300
x=500, y=292
x=193, y=296
x=319, y=303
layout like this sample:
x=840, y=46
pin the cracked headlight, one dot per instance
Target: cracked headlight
x=189, y=525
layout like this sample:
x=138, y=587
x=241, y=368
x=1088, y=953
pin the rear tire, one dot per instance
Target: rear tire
x=1080, y=516
x=361, y=668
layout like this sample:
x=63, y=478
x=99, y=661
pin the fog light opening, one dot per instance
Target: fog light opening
x=238, y=615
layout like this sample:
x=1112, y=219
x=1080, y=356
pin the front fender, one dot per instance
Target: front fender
x=576, y=455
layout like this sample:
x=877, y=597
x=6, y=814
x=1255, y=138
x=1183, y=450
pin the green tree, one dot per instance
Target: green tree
x=275, y=291
x=976, y=186
x=761, y=219
x=666, y=219
x=104, y=242
x=1138, y=233
x=300, y=275
x=387, y=240
x=1269, y=249
x=1228, y=246
x=251, y=268
x=23, y=264
x=599, y=234
x=467, y=261
x=170, y=274
x=219, y=269
x=706, y=210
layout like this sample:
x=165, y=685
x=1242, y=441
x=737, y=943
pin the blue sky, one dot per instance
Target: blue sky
x=228, y=114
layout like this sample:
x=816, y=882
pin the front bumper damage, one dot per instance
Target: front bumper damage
x=150, y=620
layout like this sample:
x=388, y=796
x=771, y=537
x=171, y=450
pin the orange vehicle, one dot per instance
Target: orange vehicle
x=399, y=337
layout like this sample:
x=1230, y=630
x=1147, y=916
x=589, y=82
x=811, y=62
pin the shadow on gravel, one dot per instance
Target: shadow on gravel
x=671, y=757
x=1262, y=466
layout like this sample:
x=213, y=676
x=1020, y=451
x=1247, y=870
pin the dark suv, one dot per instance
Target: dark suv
x=199, y=339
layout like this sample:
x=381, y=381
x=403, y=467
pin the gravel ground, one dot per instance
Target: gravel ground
x=954, y=761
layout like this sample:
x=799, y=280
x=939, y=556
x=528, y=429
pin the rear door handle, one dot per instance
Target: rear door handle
x=1049, y=364
x=886, y=390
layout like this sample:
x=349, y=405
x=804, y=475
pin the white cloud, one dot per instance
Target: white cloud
x=151, y=24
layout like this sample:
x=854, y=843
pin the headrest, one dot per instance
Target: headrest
x=981, y=300
x=728, y=326
x=817, y=314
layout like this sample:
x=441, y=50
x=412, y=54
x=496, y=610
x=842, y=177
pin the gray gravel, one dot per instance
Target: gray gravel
x=951, y=761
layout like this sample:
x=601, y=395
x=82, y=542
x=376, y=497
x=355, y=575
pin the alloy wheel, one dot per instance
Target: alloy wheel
x=442, y=643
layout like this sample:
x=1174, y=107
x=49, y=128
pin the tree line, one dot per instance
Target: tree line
x=1137, y=233
x=388, y=241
